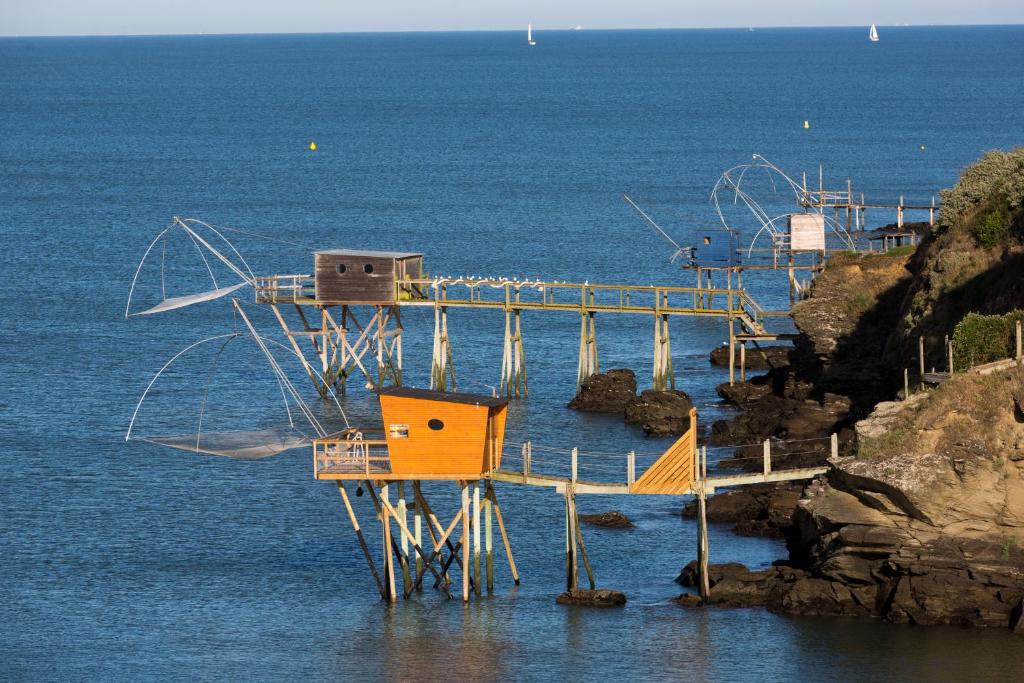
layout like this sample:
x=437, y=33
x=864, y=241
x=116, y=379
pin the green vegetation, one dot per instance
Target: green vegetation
x=992, y=229
x=883, y=446
x=997, y=177
x=981, y=339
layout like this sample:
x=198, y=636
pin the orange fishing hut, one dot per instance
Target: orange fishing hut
x=426, y=435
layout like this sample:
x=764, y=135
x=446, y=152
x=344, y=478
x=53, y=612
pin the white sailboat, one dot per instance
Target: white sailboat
x=873, y=34
x=529, y=35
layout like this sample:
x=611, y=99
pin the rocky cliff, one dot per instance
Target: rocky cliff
x=922, y=518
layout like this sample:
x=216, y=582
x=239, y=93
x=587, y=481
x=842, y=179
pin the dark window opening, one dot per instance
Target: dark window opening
x=436, y=425
x=341, y=268
x=368, y=268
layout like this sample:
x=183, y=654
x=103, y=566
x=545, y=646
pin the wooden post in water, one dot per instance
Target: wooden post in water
x=476, y=538
x=767, y=457
x=931, y=213
x=465, y=541
x=575, y=463
x=362, y=541
x=488, y=541
x=504, y=536
x=732, y=343
x=403, y=542
x=743, y=361
x=702, y=544
x=389, y=562
x=571, y=568
x=899, y=213
x=630, y=470
x=417, y=524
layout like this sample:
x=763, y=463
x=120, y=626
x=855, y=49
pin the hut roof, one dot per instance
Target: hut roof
x=366, y=252
x=444, y=396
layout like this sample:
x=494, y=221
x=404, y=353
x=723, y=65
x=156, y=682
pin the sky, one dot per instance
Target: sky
x=125, y=17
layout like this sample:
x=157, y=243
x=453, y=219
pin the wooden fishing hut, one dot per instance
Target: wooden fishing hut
x=426, y=435
x=355, y=296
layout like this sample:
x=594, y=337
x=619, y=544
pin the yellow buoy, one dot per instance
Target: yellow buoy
x=807, y=124
x=312, y=147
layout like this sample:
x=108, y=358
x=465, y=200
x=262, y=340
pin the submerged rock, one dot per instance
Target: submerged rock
x=601, y=597
x=606, y=392
x=609, y=520
x=660, y=413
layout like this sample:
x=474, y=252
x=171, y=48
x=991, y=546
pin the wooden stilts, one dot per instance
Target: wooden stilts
x=389, y=563
x=504, y=534
x=488, y=542
x=732, y=345
x=743, y=361
x=436, y=524
x=406, y=534
x=583, y=547
x=417, y=523
x=362, y=541
x=571, y=568
x=465, y=541
x=702, y=544
x=476, y=538
x=402, y=515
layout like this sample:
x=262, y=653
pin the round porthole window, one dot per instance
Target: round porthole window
x=341, y=268
x=368, y=268
x=436, y=425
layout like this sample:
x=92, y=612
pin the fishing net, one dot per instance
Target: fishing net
x=187, y=256
x=241, y=445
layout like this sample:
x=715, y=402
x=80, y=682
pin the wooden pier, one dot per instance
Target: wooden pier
x=854, y=205
x=355, y=327
x=416, y=447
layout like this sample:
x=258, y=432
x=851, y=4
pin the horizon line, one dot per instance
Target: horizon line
x=568, y=29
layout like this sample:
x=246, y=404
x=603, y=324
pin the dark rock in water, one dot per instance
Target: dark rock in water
x=610, y=520
x=690, y=576
x=660, y=413
x=757, y=359
x=742, y=393
x=592, y=598
x=689, y=600
x=607, y=392
x=763, y=510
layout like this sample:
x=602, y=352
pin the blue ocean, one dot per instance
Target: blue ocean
x=129, y=561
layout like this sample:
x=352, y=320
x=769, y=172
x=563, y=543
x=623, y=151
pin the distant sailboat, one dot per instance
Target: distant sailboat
x=873, y=34
x=529, y=35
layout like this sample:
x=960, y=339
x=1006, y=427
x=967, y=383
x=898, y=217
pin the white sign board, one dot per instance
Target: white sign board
x=806, y=232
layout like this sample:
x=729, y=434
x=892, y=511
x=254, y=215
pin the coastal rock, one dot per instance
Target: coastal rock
x=744, y=393
x=690, y=577
x=688, y=600
x=763, y=510
x=581, y=597
x=757, y=359
x=609, y=520
x=660, y=413
x=607, y=392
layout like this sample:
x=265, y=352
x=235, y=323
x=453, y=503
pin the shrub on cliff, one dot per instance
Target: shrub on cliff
x=995, y=178
x=981, y=339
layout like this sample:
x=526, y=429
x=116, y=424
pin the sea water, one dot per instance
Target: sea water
x=125, y=560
